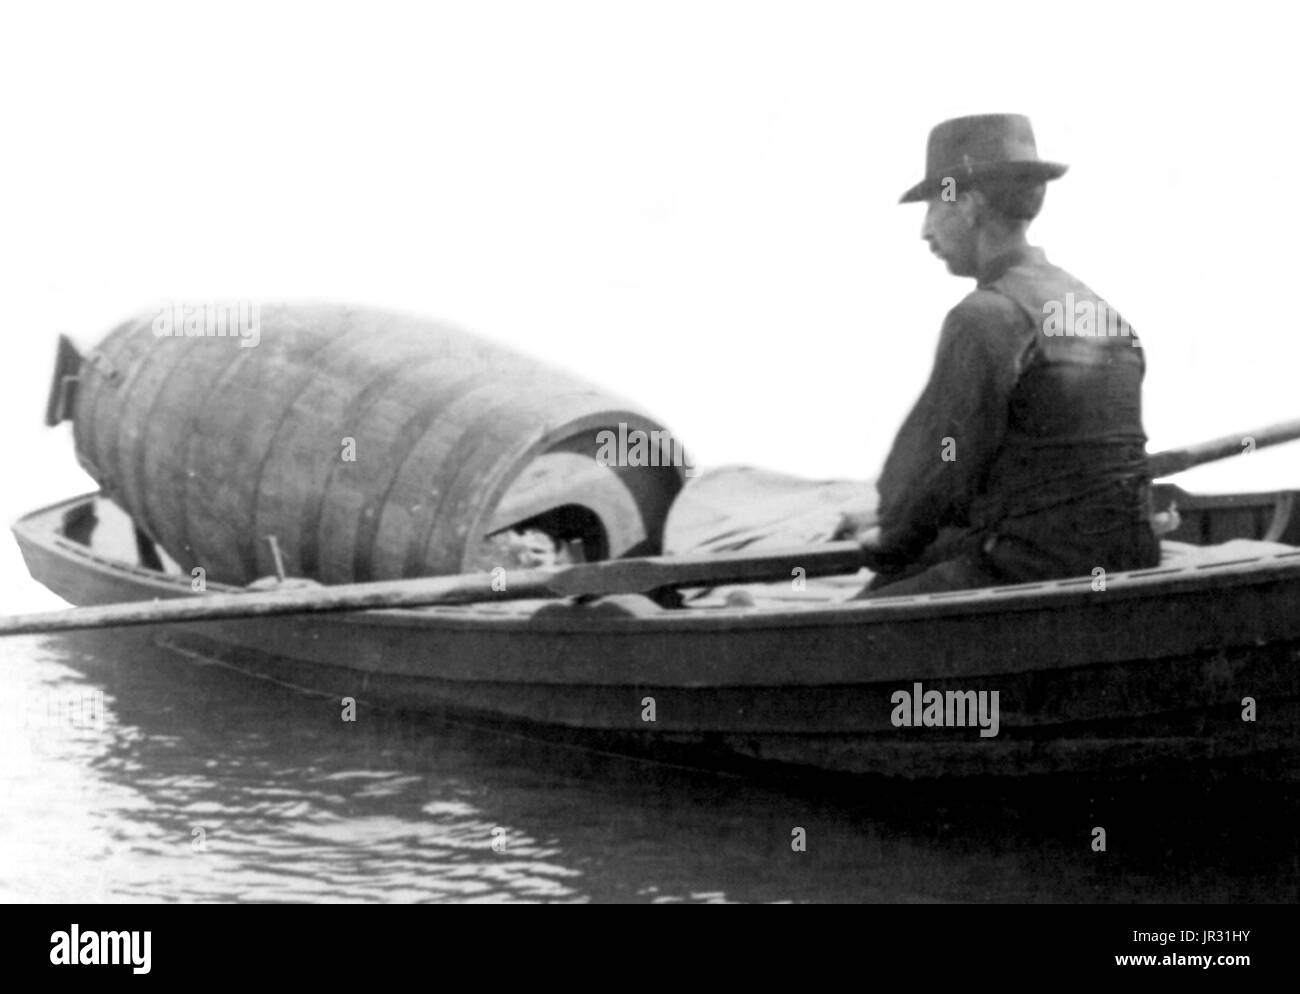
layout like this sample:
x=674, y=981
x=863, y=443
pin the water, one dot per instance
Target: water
x=132, y=774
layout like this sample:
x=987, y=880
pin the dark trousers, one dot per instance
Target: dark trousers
x=1073, y=540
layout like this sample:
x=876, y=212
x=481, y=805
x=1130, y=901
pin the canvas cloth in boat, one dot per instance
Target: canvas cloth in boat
x=211, y=446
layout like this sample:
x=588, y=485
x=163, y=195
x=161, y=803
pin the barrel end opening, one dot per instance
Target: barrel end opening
x=575, y=533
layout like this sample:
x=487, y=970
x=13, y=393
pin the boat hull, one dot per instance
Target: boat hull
x=1161, y=667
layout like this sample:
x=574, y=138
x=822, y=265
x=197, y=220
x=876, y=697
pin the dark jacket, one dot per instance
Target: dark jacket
x=1026, y=446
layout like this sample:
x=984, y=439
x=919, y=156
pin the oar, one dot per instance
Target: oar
x=1172, y=461
x=588, y=579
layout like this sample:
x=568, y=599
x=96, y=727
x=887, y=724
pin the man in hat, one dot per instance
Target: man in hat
x=1024, y=458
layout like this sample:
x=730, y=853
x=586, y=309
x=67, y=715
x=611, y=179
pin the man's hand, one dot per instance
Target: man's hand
x=874, y=555
x=852, y=524
x=869, y=540
x=857, y=528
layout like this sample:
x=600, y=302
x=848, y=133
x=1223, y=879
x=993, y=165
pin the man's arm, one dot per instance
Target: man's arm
x=941, y=455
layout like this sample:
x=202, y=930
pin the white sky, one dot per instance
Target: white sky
x=694, y=204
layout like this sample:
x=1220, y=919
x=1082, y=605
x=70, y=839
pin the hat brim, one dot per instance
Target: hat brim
x=1030, y=171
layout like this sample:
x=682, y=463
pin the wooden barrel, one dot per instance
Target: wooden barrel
x=370, y=445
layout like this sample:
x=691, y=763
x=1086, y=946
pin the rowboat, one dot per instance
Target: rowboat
x=1195, y=661
x=369, y=464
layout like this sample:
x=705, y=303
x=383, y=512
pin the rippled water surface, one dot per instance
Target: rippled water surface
x=130, y=773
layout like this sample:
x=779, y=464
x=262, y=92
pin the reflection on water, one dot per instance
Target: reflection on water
x=130, y=773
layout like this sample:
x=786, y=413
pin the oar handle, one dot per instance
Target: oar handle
x=642, y=575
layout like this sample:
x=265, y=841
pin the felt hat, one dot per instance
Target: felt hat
x=981, y=146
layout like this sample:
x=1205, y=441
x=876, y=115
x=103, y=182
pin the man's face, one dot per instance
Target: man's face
x=949, y=230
